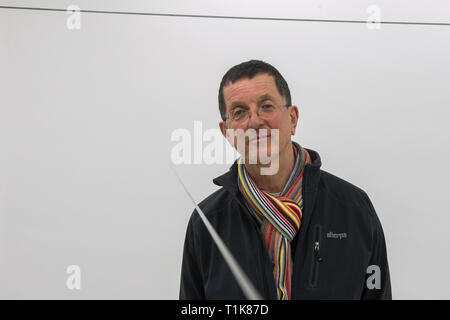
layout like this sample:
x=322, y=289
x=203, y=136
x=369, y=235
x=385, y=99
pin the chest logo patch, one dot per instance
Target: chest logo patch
x=339, y=236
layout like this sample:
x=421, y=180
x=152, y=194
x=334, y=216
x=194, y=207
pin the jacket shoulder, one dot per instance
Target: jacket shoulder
x=343, y=190
x=212, y=204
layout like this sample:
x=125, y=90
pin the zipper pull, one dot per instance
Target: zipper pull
x=317, y=251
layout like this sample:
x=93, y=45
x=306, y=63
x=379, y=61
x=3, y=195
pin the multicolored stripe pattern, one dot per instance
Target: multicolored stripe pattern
x=279, y=216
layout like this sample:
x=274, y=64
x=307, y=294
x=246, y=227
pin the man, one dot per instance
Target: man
x=298, y=232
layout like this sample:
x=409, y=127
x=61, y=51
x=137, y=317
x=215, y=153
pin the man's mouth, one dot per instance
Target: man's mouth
x=259, y=138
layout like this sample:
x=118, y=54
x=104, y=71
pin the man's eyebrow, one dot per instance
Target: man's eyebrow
x=265, y=96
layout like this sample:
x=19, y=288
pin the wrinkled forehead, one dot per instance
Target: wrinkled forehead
x=251, y=91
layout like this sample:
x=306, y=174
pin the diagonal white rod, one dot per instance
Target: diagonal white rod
x=247, y=287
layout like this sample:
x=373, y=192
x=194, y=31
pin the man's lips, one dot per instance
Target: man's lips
x=258, y=138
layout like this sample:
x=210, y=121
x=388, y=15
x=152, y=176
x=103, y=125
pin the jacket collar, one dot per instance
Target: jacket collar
x=310, y=181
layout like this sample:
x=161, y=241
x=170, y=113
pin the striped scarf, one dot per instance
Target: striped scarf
x=279, y=217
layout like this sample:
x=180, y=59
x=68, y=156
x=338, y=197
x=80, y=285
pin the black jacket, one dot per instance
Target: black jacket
x=336, y=214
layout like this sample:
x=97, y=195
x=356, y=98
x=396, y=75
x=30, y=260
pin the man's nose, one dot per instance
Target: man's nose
x=254, y=121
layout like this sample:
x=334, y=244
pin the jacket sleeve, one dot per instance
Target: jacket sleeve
x=191, y=286
x=378, y=282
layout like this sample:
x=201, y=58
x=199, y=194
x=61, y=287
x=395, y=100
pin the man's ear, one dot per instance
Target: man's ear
x=223, y=128
x=293, y=116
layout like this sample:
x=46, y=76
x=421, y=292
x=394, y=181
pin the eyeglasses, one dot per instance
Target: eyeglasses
x=266, y=112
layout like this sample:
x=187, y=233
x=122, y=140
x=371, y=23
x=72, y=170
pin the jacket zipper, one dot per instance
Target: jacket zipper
x=316, y=257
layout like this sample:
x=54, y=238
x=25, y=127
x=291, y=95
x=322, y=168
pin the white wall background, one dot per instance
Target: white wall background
x=86, y=118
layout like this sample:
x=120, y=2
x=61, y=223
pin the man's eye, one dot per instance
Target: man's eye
x=267, y=106
x=238, y=112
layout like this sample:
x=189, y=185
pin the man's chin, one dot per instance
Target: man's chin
x=261, y=153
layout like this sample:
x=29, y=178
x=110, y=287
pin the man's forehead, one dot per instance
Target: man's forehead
x=257, y=89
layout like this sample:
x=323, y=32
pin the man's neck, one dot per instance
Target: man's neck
x=274, y=183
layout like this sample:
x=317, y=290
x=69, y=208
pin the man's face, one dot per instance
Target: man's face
x=253, y=95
